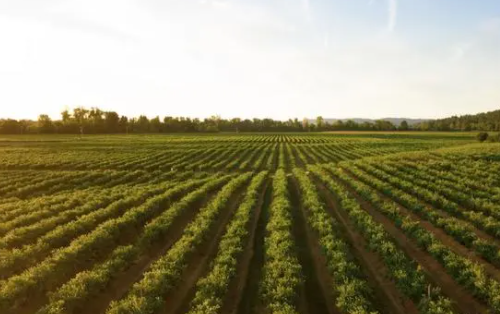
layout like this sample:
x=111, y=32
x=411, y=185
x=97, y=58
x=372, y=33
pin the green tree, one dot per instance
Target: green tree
x=112, y=121
x=155, y=125
x=404, y=126
x=320, y=123
x=45, y=124
x=66, y=116
x=142, y=125
x=10, y=126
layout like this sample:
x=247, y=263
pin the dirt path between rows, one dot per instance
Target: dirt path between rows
x=436, y=273
x=317, y=293
x=40, y=298
x=480, y=233
x=447, y=240
x=249, y=297
x=389, y=298
x=299, y=162
x=121, y=284
x=178, y=300
x=238, y=285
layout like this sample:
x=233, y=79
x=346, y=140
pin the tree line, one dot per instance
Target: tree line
x=487, y=121
x=97, y=121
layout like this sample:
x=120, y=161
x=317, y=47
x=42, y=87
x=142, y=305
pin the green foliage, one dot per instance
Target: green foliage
x=213, y=287
x=76, y=214
x=470, y=275
x=73, y=296
x=404, y=272
x=487, y=121
x=482, y=136
x=146, y=295
x=64, y=261
x=352, y=290
x=282, y=273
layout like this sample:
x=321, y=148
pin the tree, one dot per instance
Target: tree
x=351, y=125
x=338, y=125
x=155, y=125
x=96, y=120
x=142, y=124
x=235, y=122
x=66, y=116
x=111, y=121
x=123, y=124
x=45, y=124
x=482, y=136
x=10, y=126
x=213, y=123
x=81, y=116
x=320, y=122
x=404, y=126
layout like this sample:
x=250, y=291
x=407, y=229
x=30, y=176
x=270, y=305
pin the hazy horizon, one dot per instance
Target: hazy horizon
x=57, y=116
x=279, y=59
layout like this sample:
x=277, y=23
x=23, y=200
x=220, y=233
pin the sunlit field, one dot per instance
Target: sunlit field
x=342, y=222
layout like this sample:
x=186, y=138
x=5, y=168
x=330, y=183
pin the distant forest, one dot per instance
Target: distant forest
x=96, y=121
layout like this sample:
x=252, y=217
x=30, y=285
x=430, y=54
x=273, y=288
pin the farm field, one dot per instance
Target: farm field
x=250, y=223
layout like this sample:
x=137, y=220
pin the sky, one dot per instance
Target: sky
x=250, y=58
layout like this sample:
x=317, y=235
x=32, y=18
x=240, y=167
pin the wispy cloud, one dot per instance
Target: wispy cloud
x=393, y=14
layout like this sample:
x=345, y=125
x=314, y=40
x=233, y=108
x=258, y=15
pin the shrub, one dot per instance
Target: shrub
x=482, y=136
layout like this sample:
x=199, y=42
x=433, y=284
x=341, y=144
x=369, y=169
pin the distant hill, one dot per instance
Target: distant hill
x=395, y=121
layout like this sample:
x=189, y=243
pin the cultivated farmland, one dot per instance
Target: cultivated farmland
x=250, y=223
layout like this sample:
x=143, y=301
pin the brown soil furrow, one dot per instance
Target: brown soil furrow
x=447, y=240
x=299, y=162
x=127, y=237
x=316, y=295
x=121, y=284
x=238, y=286
x=177, y=301
x=435, y=272
x=480, y=233
x=386, y=291
x=249, y=299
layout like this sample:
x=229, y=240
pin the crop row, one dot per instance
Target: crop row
x=352, y=292
x=145, y=296
x=481, y=221
x=459, y=230
x=405, y=272
x=282, y=273
x=467, y=273
x=74, y=295
x=211, y=289
x=63, y=262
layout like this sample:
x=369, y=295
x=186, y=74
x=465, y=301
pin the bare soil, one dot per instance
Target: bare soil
x=448, y=240
x=389, y=298
x=121, y=284
x=317, y=293
x=436, y=273
x=238, y=286
x=178, y=300
x=249, y=297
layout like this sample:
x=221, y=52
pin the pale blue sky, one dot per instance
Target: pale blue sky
x=251, y=58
